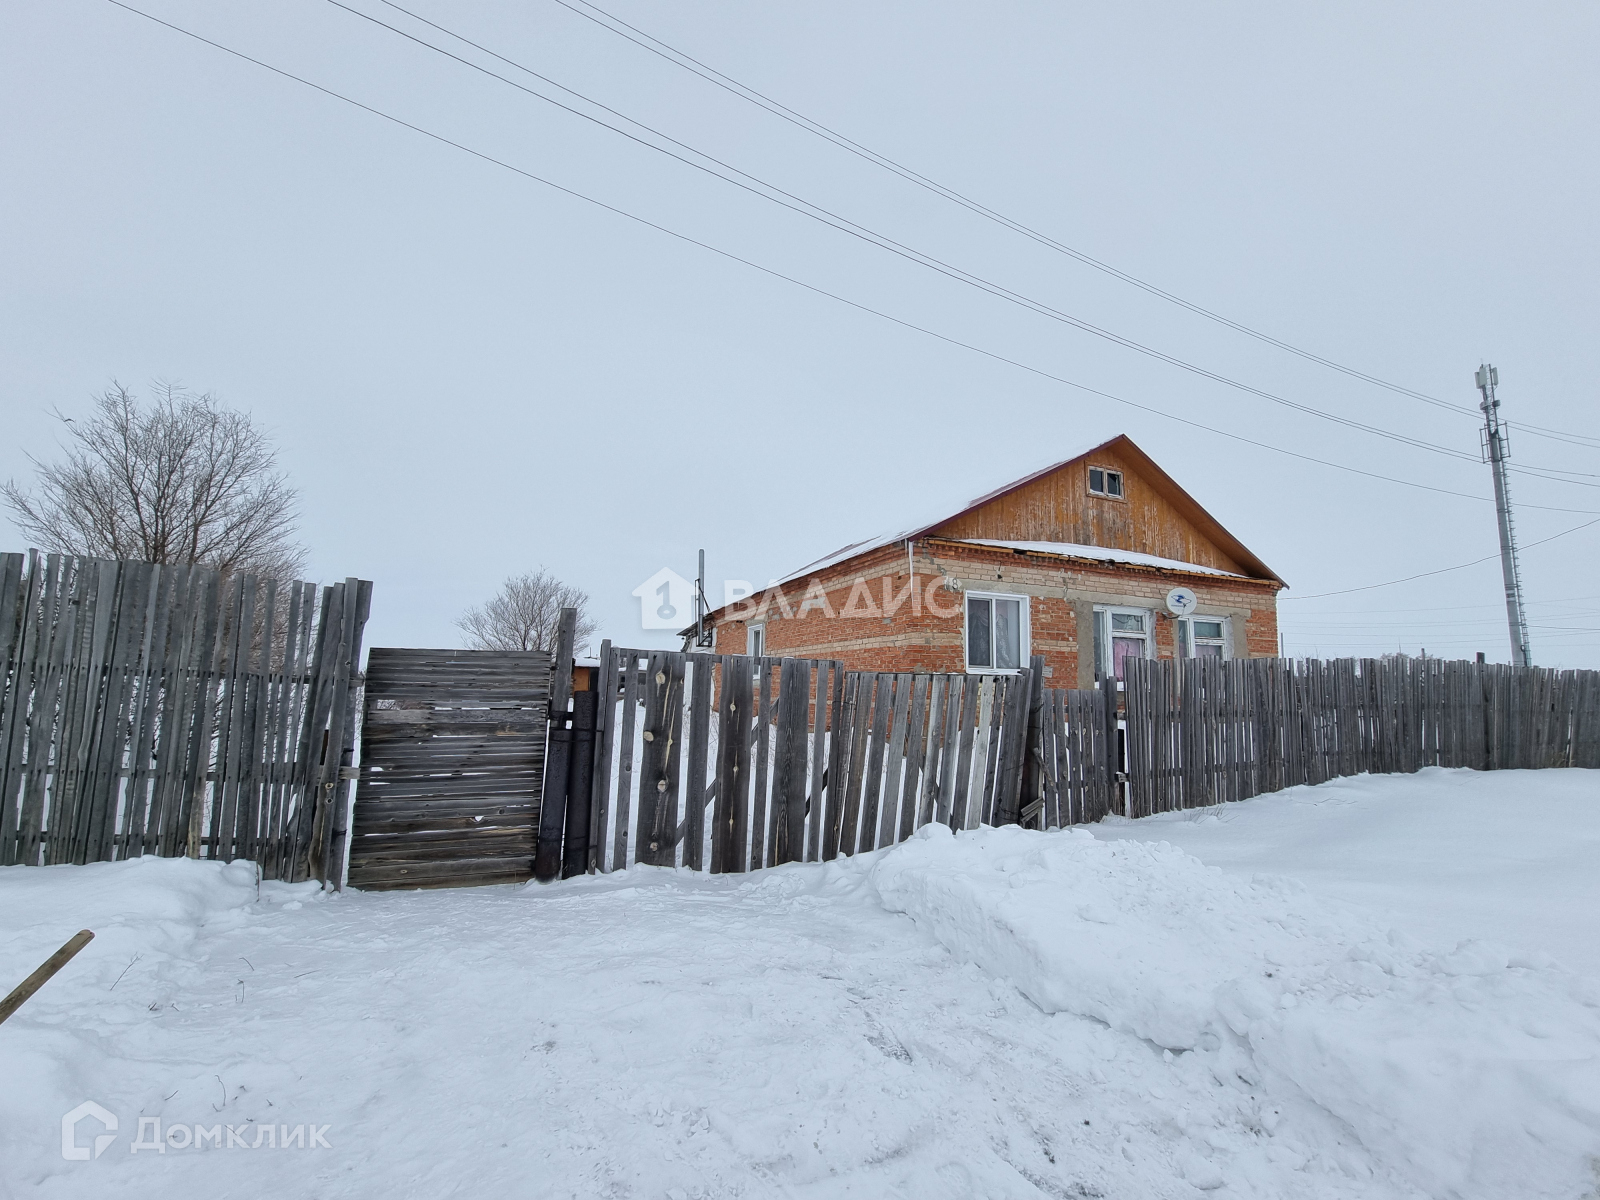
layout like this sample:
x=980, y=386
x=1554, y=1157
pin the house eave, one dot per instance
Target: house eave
x=1210, y=576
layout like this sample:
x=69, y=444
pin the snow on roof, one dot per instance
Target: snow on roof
x=934, y=516
x=1073, y=550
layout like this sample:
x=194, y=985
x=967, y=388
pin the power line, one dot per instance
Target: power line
x=806, y=208
x=1421, y=637
x=1444, y=570
x=727, y=83
x=1349, y=612
x=813, y=288
x=844, y=224
x=1378, y=627
x=1434, y=622
x=1423, y=640
x=1572, y=439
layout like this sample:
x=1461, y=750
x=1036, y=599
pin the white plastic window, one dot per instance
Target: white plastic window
x=996, y=632
x=1120, y=634
x=1204, y=637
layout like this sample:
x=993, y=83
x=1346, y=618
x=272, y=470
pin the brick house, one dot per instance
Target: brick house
x=1074, y=563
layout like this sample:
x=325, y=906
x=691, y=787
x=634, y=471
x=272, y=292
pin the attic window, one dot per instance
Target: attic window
x=1104, y=482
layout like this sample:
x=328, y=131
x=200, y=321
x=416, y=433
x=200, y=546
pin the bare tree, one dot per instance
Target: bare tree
x=526, y=615
x=181, y=480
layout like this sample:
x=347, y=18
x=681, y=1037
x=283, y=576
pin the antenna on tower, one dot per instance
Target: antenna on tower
x=1496, y=449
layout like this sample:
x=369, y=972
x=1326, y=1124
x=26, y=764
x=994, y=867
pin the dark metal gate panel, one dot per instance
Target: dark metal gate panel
x=452, y=764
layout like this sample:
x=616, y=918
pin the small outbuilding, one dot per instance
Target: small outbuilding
x=1076, y=562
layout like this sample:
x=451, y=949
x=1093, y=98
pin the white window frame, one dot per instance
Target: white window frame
x=753, y=630
x=1104, y=668
x=1025, y=647
x=1122, y=483
x=1185, y=634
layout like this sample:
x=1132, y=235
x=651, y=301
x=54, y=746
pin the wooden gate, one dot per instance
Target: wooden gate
x=452, y=764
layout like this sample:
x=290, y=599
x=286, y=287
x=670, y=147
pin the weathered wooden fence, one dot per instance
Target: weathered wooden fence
x=1076, y=740
x=168, y=710
x=452, y=765
x=727, y=763
x=1205, y=731
x=734, y=763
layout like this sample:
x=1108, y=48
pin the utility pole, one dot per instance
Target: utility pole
x=1495, y=452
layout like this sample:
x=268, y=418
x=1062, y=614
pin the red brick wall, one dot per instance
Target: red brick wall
x=928, y=637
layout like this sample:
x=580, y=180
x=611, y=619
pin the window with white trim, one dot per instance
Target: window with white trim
x=1121, y=634
x=1204, y=637
x=1103, y=481
x=755, y=639
x=996, y=632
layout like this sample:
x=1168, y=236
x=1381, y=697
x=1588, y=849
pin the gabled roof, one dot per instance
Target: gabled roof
x=1149, y=472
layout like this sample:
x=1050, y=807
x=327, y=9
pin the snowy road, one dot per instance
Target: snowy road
x=1003, y=1015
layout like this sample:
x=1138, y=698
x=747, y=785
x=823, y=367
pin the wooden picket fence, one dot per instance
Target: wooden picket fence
x=734, y=763
x=1207, y=731
x=1076, y=739
x=172, y=711
x=168, y=710
x=730, y=764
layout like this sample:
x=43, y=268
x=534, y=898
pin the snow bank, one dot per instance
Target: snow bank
x=145, y=906
x=1473, y=1072
x=91, y=1018
x=1446, y=854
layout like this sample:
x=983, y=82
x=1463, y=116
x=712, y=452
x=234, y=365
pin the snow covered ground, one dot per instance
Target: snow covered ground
x=1509, y=856
x=1000, y=1014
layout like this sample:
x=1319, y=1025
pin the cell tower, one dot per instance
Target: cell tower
x=1496, y=449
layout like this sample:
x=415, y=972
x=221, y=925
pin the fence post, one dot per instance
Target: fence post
x=605, y=687
x=358, y=601
x=655, y=842
x=558, y=755
x=731, y=815
x=575, y=857
x=1115, y=781
x=1014, y=748
x=789, y=787
x=1033, y=763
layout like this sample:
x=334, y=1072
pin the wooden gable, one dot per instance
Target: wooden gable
x=1153, y=516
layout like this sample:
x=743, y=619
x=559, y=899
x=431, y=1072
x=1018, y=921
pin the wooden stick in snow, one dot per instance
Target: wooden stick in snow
x=20, y=994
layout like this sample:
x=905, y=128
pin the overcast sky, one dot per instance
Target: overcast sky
x=470, y=374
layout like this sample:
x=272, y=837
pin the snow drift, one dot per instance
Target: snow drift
x=1473, y=1071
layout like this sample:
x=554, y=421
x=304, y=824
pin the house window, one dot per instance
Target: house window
x=1203, y=637
x=997, y=632
x=1105, y=482
x=1120, y=634
x=755, y=643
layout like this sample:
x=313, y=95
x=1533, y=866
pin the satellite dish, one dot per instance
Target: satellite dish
x=1181, y=602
